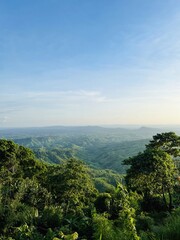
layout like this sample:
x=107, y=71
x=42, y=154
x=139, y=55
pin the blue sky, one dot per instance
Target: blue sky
x=81, y=62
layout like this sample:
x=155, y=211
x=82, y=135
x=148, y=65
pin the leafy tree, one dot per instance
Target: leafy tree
x=169, y=142
x=126, y=216
x=8, y=152
x=152, y=172
x=118, y=219
x=18, y=160
x=72, y=185
x=74, y=191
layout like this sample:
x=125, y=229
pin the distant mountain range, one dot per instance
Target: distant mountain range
x=100, y=147
x=139, y=133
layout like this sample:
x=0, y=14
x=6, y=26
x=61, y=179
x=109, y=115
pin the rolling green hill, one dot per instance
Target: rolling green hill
x=97, y=152
x=100, y=147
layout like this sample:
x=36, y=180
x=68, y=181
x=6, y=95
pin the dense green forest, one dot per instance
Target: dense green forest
x=73, y=200
x=95, y=151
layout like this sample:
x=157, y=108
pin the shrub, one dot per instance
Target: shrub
x=171, y=228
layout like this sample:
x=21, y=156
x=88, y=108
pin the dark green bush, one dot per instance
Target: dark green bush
x=171, y=228
x=144, y=222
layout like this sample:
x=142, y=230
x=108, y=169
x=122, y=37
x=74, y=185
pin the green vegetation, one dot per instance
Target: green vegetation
x=101, y=148
x=152, y=173
x=70, y=200
x=97, y=152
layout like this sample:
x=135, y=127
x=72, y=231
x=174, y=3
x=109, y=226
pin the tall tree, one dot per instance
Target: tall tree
x=168, y=142
x=72, y=185
x=152, y=172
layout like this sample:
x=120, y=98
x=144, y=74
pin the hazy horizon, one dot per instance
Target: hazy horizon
x=123, y=126
x=89, y=63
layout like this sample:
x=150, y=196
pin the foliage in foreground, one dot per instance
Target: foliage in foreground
x=69, y=201
x=38, y=201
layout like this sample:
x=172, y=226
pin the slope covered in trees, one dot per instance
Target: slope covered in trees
x=97, y=152
x=72, y=201
x=99, y=147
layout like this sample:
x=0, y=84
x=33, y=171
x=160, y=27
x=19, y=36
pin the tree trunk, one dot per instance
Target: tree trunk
x=170, y=201
x=164, y=198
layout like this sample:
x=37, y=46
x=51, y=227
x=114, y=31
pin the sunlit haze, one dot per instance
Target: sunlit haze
x=81, y=62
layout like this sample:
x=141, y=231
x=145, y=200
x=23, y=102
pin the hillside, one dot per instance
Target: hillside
x=96, y=152
x=100, y=147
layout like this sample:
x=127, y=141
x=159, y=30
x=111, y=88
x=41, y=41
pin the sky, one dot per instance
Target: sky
x=97, y=62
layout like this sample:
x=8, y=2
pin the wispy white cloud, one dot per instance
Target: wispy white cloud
x=3, y=120
x=48, y=99
x=159, y=46
x=65, y=97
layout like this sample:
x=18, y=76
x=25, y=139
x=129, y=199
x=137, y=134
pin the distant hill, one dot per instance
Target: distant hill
x=97, y=153
x=100, y=147
x=123, y=133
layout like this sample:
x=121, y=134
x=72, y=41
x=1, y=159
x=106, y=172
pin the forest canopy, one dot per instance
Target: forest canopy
x=73, y=201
